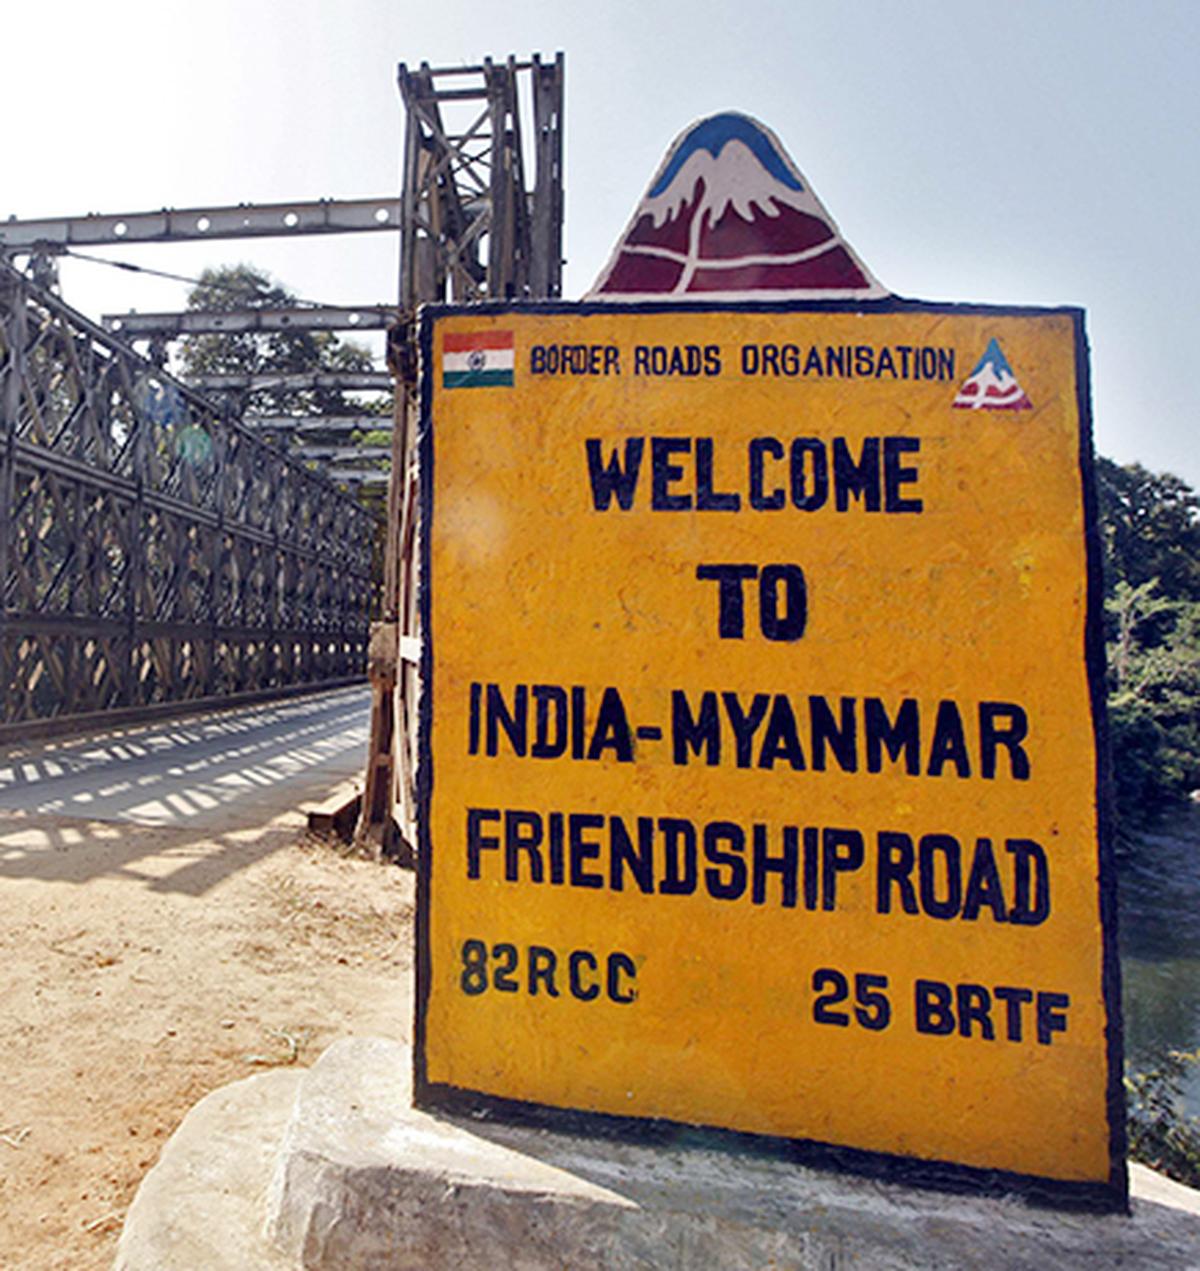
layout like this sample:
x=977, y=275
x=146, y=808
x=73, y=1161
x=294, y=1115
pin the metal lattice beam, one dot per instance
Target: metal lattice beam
x=152, y=549
x=342, y=454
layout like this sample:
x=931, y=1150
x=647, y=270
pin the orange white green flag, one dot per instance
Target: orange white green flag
x=477, y=359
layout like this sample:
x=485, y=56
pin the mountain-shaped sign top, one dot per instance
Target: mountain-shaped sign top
x=992, y=385
x=729, y=216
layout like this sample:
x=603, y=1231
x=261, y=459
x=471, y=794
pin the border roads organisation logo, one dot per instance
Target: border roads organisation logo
x=992, y=385
x=478, y=359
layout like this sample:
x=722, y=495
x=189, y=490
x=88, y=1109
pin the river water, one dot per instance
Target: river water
x=1159, y=881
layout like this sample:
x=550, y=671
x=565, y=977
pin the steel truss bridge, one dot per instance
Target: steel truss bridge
x=153, y=550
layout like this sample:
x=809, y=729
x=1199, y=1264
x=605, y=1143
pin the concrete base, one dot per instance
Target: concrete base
x=360, y=1180
x=202, y=1206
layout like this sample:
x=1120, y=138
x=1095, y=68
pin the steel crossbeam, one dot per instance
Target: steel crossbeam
x=139, y=326
x=358, y=476
x=304, y=425
x=340, y=454
x=350, y=380
x=175, y=225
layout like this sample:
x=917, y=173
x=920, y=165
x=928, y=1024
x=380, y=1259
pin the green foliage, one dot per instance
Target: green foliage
x=1161, y=1135
x=378, y=440
x=1154, y=688
x=1151, y=531
x=238, y=287
x=1151, y=527
x=233, y=287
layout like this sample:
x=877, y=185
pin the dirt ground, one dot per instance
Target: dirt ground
x=144, y=967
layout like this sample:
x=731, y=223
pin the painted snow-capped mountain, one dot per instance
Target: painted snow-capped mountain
x=729, y=216
x=992, y=385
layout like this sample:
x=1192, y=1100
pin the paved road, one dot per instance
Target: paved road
x=213, y=772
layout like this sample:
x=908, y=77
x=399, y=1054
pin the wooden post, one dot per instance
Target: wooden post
x=391, y=688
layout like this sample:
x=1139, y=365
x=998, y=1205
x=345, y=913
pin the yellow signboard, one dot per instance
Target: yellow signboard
x=759, y=779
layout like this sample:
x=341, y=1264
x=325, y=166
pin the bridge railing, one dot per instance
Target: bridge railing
x=153, y=550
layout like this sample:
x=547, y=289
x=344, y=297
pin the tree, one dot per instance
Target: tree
x=1151, y=525
x=1154, y=688
x=233, y=287
x=1151, y=529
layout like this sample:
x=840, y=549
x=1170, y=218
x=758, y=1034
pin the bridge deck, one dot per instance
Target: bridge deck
x=227, y=770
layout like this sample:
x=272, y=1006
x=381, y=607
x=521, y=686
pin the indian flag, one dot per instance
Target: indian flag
x=477, y=359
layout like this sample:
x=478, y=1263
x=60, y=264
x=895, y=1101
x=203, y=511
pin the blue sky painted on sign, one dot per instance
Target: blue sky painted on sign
x=1033, y=152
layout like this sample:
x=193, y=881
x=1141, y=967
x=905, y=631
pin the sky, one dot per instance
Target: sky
x=1018, y=153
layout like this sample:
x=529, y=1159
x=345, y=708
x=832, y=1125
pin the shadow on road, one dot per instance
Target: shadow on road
x=179, y=806
x=55, y=849
x=240, y=768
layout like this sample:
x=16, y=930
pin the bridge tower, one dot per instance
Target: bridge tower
x=481, y=218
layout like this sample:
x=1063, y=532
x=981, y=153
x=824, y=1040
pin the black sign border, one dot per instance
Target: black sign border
x=1110, y=1196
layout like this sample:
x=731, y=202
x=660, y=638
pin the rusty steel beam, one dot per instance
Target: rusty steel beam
x=464, y=182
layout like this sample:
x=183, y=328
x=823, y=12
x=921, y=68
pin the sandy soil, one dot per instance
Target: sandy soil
x=144, y=967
